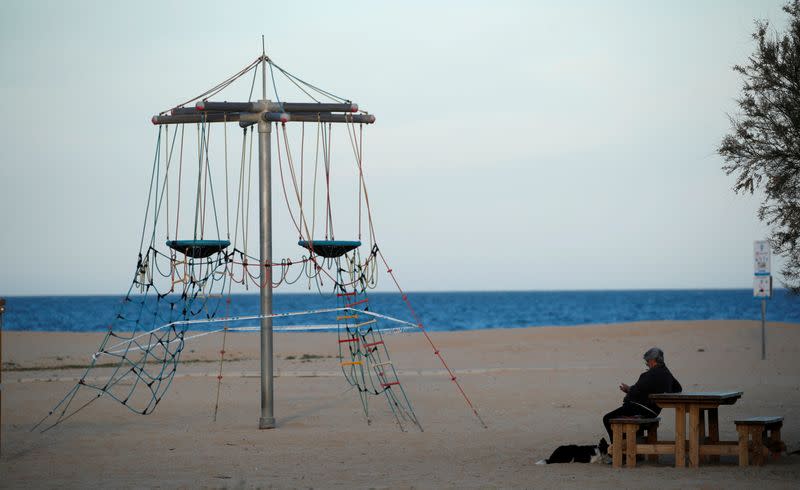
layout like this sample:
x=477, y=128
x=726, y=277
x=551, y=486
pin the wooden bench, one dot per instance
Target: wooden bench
x=757, y=436
x=624, y=430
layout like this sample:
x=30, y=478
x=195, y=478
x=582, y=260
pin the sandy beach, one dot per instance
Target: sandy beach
x=536, y=388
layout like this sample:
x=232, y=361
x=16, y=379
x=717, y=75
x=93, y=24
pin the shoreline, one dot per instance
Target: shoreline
x=26, y=350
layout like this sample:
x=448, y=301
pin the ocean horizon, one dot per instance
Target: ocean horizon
x=441, y=311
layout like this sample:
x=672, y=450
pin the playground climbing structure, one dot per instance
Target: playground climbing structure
x=196, y=247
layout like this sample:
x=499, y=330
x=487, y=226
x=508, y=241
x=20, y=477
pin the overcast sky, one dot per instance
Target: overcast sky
x=518, y=145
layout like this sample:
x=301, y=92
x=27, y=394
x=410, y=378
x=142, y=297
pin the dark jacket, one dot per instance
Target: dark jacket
x=655, y=380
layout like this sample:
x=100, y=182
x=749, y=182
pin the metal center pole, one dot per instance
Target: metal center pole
x=267, y=419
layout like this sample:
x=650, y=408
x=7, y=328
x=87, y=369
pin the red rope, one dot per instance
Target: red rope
x=436, y=351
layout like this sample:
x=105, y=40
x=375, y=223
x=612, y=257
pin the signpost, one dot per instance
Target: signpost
x=762, y=285
x=2, y=309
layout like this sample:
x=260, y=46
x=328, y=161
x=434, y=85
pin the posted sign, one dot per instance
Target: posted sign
x=762, y=286
x=762, y=281
x=761, y=258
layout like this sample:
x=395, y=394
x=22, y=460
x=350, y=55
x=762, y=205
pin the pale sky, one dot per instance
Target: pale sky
x=518, y=145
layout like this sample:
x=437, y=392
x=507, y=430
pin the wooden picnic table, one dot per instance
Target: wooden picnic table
x=696, y=404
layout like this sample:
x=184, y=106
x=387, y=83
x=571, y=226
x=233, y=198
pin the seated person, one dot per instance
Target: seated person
x=657, y=379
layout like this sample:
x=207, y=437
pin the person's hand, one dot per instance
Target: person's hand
x=624, y=388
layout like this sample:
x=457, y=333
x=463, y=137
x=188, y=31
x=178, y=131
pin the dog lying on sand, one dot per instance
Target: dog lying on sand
x=578, y=454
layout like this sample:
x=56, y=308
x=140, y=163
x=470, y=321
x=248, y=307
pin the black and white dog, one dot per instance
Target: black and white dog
x=579, y=454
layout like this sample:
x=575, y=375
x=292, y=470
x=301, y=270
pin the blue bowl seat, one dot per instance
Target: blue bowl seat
x=198, y=249
x=329, y=248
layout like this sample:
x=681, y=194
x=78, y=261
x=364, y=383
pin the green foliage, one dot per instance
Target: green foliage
x=763, y=147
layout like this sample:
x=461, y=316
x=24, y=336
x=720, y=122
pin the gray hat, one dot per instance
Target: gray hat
x=654, y=353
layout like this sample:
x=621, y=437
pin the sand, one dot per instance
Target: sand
x=536, y=388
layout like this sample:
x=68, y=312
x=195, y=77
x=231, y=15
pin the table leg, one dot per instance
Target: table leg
x=713, y=430
x=744, y=438
x=694, y=436
x=630, y=445
x=703, y=422
x=680, y=436
x=616, y=448
x=775, y=439
x=757, y=441
x=702, y=429
x=652, y=438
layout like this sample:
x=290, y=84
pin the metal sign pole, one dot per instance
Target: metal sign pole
x=2, y=309
x=763, y=329
x=762, y=285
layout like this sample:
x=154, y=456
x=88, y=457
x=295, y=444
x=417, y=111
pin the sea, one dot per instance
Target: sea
x=444, y=311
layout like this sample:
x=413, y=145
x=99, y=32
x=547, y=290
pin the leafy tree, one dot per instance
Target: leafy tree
x=763, y=146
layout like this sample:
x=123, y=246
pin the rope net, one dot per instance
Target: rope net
x=178, y=284
x=364, y=356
